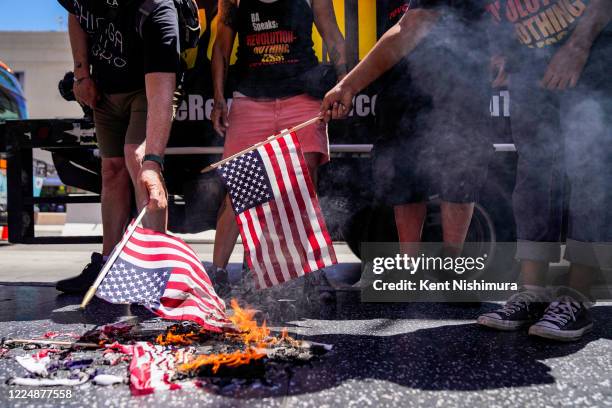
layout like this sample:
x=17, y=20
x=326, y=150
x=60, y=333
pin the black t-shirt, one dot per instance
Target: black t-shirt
x=275, y=47
x=448, y=70
x=119, y=56
x=528, y=30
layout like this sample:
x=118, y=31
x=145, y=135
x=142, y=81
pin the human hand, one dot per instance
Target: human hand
x=152, y=186
x=86, y=92
x=337, y=103
x=219, y=117
x=565, y=67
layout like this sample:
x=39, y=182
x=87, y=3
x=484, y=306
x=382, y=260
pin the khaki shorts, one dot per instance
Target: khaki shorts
x=120, y=119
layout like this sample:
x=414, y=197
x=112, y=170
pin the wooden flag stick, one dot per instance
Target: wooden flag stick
x=255, y=146
x=52, y=343
x=92, y=290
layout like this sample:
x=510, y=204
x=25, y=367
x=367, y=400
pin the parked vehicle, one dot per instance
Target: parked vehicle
x=344, y=183
x=12, y=106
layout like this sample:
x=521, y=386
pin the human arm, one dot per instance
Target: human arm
x=397, y=42
x=85, y=90
x=221, y=54
x=325, y=20
x=159, y=89
x=161, y=63
x=566, y=66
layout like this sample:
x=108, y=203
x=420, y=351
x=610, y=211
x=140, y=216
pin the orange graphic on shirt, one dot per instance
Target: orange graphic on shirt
x=539, y=23
x=271, y=45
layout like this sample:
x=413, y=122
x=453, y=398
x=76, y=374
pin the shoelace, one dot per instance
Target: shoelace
x=518, y=301
x=562, y=310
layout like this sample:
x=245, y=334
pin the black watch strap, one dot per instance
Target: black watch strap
x=154, y=158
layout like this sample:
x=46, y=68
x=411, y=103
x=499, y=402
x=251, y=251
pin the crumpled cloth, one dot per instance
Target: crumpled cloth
x=153, y=367
x=37, y=363
x=34, y=366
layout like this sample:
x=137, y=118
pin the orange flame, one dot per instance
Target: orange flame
x=173, y=338
x=235, y=359
x=252, y=335
x=248, y=330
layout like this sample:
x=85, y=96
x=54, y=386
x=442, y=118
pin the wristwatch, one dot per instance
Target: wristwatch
x=154, y=158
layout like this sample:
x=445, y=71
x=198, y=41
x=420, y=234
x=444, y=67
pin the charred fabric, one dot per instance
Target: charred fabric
x=182, y=356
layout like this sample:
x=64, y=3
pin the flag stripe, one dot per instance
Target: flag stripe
x=284, y=235
x=276, y=273
x=313, y=194
x=154, y=246
x=152, y=236
x=159, y=261
x=296, y=175
x=253, y=250
x=290, y=214
x=182, y=314
x=166, y=276
x=258, y=234
x=182, y=282
x=161, y=253
x=275, y=237
x=177, y=268
x=179, y=275
x=175, y=303
x=298, y=206
x=309, y=195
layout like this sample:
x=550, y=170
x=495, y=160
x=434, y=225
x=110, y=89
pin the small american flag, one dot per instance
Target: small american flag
x=163, y=273
x=283, y=232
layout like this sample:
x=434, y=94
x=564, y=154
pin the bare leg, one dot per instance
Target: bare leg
x=581, y=278
x=158, y=220
x=226, y=234
x=533, y=272
x=409, y=220
x=456, y=218
x=116, y=201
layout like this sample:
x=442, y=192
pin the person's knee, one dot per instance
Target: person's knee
x=114, y=172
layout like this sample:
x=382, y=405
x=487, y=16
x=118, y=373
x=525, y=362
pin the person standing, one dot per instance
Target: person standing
x=128, y=78
x=432, y=114
x=558, y=71
x=277, y=72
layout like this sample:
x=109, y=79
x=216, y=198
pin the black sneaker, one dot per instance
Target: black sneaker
x=565, y=319
x=220, y=281
x=522, y=308
x=81, y=283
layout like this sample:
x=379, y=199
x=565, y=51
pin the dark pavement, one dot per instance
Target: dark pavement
x=418, y=354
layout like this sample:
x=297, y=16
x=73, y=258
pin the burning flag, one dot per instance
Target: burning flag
x=163, y=273
x=283, y=232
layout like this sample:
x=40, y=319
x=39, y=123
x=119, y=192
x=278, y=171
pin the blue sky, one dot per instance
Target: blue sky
x=31, y=15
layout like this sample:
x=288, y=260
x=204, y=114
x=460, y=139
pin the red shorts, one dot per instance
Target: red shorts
x=253, y=120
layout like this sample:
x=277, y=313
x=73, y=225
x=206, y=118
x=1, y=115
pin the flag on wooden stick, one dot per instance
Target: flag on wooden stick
x=162, y=273
x=283, y=232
